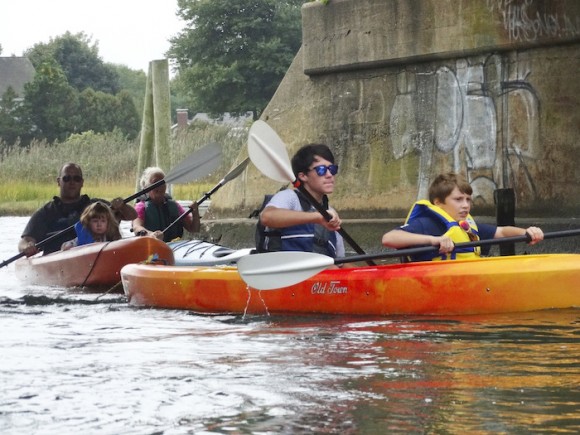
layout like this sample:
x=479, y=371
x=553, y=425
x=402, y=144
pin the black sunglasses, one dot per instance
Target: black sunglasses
x=321, y=170
x=75, y=178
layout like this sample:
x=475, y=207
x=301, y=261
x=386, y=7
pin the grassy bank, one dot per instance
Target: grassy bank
x=22, y=199
x=109, y=161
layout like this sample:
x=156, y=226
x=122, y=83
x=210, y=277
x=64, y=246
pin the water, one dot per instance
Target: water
x=74, y=362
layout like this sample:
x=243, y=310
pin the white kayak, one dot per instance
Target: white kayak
x=202, y=253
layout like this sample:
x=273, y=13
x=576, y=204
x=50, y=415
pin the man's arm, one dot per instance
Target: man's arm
x=35, y=231
x=27, y=245
x=123, y=211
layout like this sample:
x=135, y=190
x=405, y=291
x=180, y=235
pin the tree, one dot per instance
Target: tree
x=134, y=82
x=14, y=124
x=79, y=59
x=101, y=112
x=74, y=91
x=51, y=103
x=127, y=118
x=233, y=53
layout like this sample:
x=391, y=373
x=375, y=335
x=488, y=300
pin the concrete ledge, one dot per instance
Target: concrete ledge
x=353, y=34
x=239, y=233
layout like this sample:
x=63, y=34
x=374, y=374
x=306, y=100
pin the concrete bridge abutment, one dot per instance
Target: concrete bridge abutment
x=402, y=90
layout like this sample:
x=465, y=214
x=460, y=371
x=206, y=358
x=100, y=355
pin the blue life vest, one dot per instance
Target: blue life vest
x=84, y=236
x=305, y=237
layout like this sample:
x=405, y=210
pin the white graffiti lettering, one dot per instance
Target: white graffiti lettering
x=524, y=24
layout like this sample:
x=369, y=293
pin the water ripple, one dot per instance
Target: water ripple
x=72, y=360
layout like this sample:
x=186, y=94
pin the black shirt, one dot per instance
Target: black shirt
x=54, y=217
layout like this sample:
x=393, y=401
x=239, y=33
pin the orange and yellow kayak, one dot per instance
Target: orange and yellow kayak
x=483, y=286
x=94, y=265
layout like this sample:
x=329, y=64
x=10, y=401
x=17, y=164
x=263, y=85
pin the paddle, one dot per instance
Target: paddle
x=199, y=164
x=234, y=173
x=269, y=154
x=282, y=269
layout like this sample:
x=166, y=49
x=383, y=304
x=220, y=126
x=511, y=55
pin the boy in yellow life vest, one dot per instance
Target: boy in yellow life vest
x=444, y=220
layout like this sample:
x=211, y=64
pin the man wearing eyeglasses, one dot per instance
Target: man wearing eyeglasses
x=63, y=212
x=289, y=222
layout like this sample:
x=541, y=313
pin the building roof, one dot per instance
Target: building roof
x=15, y=72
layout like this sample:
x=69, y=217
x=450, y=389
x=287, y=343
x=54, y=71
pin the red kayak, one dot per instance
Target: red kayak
x=94, y=265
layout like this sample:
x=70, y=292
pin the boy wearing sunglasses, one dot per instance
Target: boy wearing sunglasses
x=289, y=222
x=63, y=212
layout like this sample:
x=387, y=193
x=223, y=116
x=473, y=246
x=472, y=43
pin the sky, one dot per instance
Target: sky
x=128, y=32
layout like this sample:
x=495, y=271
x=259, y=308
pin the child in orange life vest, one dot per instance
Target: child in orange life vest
x=445, y=220
x=97, y=224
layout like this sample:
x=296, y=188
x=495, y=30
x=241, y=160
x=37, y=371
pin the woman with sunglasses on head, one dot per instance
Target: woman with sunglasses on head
x=63, y=212
x=289, y=222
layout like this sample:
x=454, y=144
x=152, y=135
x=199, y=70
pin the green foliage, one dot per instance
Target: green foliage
x=233, y=53
x=51, y=103
x=58, y=110
x=109, y=156
x=74, y=91
x=178, y=90
x=14, y=124
x=127, y=118
x=79, y=60
x=99, y=111
x=134, y=82
x=109, y=162
x=94, y=110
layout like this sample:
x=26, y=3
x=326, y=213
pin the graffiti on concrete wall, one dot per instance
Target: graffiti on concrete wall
x=524, y=22
x=484, y=115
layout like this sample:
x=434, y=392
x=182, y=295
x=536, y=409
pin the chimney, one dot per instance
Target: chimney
x=182, y=118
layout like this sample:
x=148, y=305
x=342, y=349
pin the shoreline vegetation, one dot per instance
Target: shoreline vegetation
x=109, y=161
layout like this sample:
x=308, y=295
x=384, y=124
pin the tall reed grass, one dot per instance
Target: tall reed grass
x=109, y=162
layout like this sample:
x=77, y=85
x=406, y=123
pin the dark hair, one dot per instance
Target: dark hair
x=443, y=185
x=305, y=156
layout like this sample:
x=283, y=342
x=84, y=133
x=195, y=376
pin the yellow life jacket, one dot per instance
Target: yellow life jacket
x=459, y=232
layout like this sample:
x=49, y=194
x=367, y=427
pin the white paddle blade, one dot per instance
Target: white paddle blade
x=276, y=270
x=268, y=153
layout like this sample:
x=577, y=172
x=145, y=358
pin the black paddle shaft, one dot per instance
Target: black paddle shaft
x=229, y=177
x=425, y=249
x=327, y=216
